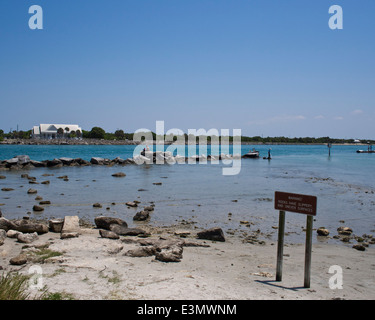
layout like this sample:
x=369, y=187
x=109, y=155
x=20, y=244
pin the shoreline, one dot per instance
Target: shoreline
x=71, y=142
x=90, y=267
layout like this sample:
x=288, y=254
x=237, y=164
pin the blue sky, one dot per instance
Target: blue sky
x=271, y=68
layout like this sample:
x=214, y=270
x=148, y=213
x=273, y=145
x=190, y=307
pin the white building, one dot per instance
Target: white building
x=51, y=131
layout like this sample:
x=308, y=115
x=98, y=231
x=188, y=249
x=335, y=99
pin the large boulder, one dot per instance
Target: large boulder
x=105, y=222
x=214, y=234
x=70, y=227
x=125, y=231
x=6, y=225
x=27, y=226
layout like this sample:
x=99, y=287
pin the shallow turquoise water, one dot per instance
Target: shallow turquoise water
x=199, y=193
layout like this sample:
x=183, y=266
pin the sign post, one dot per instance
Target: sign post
x=298, y=203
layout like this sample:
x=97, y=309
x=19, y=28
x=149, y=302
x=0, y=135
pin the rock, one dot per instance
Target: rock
x=38, y=198
x=6, y=225
x=108, y=234
x=13, y=234
x=23, y=159
x=7, y=189
x=3, y=235
x=141, y=252
x=45, y=182
x=172, y=254
x=125, y=231
x=131, y=204
x=55, y=225
x=359, y=247
x=66, y=161
x=141, y=216
x=149, y=208
x=26, y=226
x=3, y=177
x=157, y=183
x=18, y=260
x=105, y=222
x=38, y=164
x=45, y=202
x=97, y=205
x=32, y=191
x=27, y=237
x=214, y=234
x=97, y=160
x=346, y=231
x=71, y=225
x=68, y=235
x=54, y=163
x=322, y=232
x=38, y=208
x=119, y=174
x=182, y=233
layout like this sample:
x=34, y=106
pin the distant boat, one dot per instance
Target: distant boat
x=369, y=150
x=251, y=154
x=365, y=151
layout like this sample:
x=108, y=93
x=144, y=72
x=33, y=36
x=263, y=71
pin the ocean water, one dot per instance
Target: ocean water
x=199, y=195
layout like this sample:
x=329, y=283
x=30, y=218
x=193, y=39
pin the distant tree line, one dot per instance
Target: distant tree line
x=119, y=134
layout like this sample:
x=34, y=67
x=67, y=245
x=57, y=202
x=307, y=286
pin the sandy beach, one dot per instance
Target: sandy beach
x=90, y=267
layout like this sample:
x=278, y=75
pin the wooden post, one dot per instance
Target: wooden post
x=308, y=249
x=280, y=246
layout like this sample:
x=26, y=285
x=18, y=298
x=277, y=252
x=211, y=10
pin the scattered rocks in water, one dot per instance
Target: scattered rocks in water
x=214, y=234
x=38, y=198
x=45, y=202
x=119, y=175
x=7, y=189
x=132, y=204
x=32, y=191
x=141, y=215
x=38, y=208
x=322, y=231
x=345, y=231
x=97, y=205
x=45, y=182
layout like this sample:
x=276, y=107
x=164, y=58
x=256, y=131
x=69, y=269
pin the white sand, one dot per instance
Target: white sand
x=90, y=268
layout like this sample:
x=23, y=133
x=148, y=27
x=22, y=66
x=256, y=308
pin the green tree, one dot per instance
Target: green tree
x=97, y=133
x=120, y=134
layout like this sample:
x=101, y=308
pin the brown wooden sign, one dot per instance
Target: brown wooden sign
x=294, y=202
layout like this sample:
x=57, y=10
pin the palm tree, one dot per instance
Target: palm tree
x=60, y=132
x=67, y=130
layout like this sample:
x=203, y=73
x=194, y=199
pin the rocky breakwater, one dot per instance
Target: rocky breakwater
x=23, y=162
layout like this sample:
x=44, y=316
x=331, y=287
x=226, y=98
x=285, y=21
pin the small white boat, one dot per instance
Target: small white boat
x=251, y=154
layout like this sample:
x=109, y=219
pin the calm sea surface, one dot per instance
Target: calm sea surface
x=198, y=193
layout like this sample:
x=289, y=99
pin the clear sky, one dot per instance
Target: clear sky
x=267, y=67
